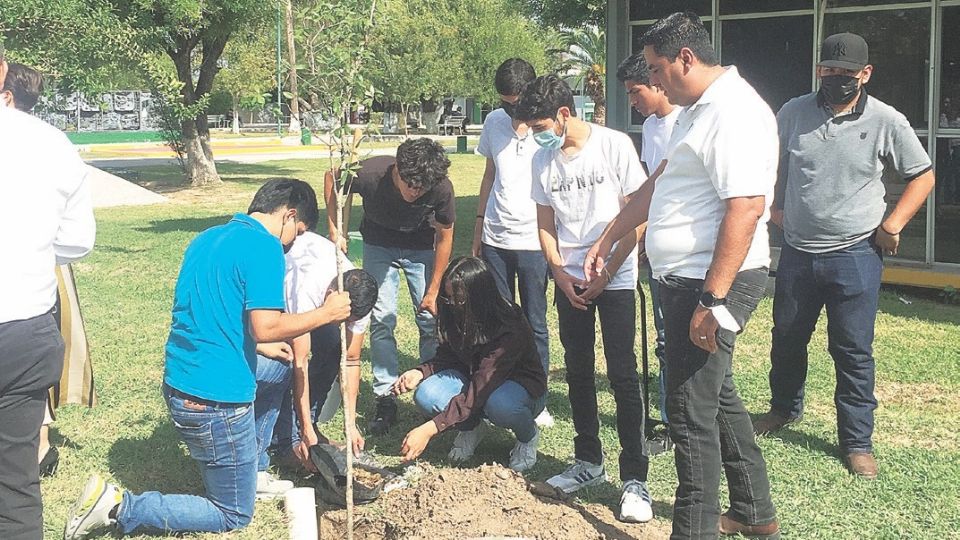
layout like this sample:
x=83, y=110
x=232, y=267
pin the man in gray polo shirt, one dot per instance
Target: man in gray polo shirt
x=835, y=145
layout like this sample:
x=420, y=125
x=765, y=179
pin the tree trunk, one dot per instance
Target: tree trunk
x=600, y=114
x=201, y=169
x=236, y=117
x=292, y=60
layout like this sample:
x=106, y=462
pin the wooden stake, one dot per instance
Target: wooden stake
x=348, y=411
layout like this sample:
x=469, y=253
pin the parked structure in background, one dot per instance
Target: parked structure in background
x=775, y=47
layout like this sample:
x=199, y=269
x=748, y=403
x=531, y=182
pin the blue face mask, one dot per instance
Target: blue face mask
x=550, y=140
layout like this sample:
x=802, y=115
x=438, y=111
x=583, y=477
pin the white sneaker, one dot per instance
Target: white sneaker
x=524, y=455
x=92, y=509
x=635, y=503
x=466, y=443
x=544, y=420
x=271, y=487
x=580, y=475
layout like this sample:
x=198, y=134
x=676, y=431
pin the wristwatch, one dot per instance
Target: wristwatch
x=708, y=300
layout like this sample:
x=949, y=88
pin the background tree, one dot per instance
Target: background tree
x=584, y=54
x=247, y=74
x=565, y=13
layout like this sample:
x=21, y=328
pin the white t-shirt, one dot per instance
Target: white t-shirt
x=510, y=219
x=724, y=146
x=656, y=137
x=46, y=213
x=586, y=191
x=311, y=265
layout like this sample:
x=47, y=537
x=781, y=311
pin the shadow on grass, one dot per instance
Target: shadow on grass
x=804, y=440
x=193, y=225
x=157, y=463
x=169, y=178
x=922, y=308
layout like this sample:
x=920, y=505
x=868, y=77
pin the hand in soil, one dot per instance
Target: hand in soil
x=416, y=441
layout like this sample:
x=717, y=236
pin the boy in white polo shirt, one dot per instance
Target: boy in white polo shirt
x=583, y=175
x=661, y=116
x=505, y=234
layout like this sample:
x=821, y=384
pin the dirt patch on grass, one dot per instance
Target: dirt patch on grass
x=918, y=415
x=488, y=501
x=931, y=397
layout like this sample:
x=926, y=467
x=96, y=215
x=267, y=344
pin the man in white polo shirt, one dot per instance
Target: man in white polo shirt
x=661, y=116
x=708, y=244
x=47, y=220
x=505, y=233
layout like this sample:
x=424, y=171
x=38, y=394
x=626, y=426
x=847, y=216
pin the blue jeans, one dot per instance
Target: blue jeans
x=510, y=406
x=273, y=383
x=847, y=282
x=322, y=373
x=528, y=269
x=384, y=264
x=222, y=439
x=661, y=342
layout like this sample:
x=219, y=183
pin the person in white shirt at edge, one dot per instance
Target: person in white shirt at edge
x=708, y=244
x=661, y=116
x=582, y=176
x=505, y=233
x=48, y=220
x=310, y=275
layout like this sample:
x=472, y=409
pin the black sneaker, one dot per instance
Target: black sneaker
x=384, y=417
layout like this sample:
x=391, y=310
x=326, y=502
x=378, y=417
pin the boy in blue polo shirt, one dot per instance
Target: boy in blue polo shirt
x=228, y=297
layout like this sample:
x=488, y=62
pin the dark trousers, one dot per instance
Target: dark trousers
x=529, y=270
x=31, y=359
x=708, y=423
x=847, y=282
x=618, y=327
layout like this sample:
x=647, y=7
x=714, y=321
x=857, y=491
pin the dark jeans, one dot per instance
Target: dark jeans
x=31, y=359
x=708, y=423
x=322, y=372
x=528, y=269
x=661, y=343
x=847, y=282
x=618, y=327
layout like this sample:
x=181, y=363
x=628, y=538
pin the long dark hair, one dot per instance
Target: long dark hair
x=475, y=313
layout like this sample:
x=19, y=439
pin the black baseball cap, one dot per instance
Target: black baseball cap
x=846, y=51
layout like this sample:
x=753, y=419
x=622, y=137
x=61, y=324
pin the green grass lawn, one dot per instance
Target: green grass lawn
x=126, y=289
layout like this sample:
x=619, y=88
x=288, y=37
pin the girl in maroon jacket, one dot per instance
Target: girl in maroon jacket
x=486, y=367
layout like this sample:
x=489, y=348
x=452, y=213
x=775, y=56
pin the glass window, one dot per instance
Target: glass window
x=636, y=32
x=899, y=42
x=947, y=219
x=847, y=3
x=642, y=10
x=913, y=237
x=775, y=54
x=729, y=7
x=950, y=71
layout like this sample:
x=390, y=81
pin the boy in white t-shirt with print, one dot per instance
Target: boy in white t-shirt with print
x=505, y=232
x=661, y=116
x=582, y=176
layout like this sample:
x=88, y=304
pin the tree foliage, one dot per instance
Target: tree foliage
x=565, y=13
x=584, y=54
x=436, y=48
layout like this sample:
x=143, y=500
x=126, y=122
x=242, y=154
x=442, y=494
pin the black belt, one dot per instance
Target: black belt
x=207, y=402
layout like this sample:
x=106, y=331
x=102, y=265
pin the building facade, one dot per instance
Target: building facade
x=915, y=48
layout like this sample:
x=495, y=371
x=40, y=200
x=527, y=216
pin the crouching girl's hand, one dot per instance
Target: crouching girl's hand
x=416, y=441
x=407, y=382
